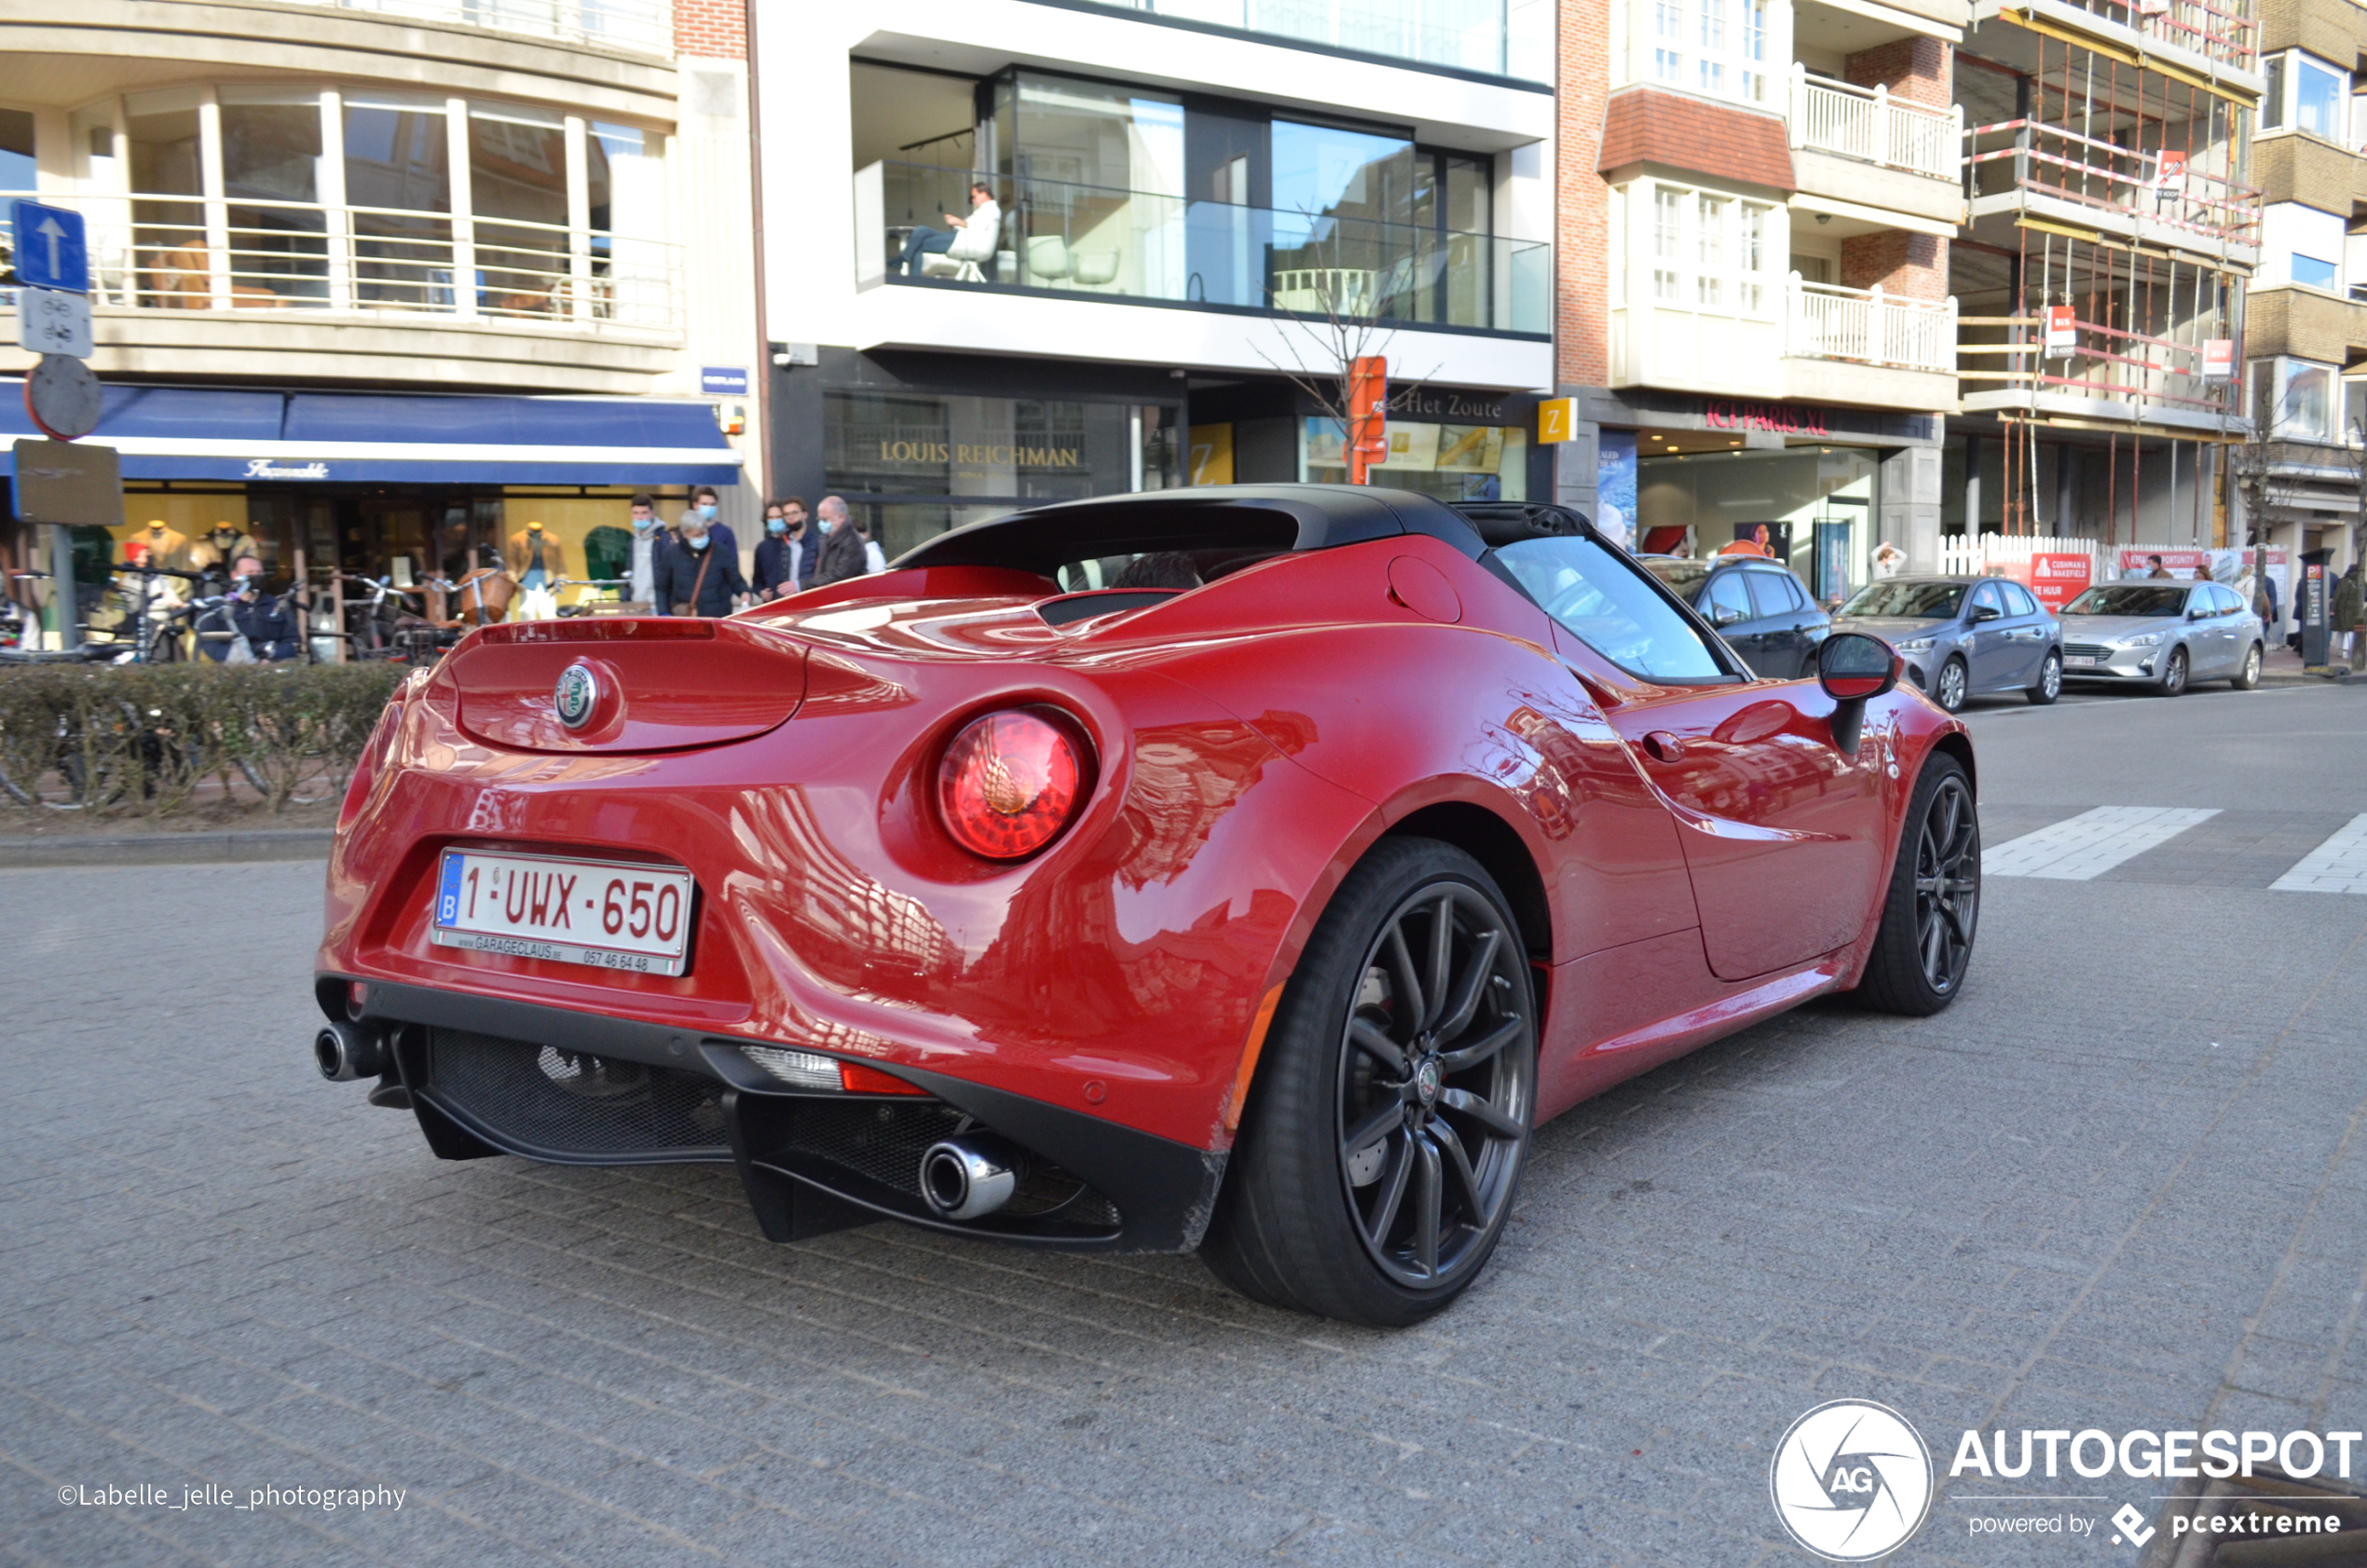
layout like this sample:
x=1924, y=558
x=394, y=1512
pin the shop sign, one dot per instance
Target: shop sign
x=1556, y=420
x=2057, y=579
x=264, y=467
x=1474, y=408
x=1788, y=419
x=723, y=381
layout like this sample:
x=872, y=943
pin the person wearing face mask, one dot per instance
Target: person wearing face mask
x=650, y=545
x=842, y=554
x=700, y=574
x=781, y=558
x=704, y=507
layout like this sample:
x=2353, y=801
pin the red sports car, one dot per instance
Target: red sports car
x=1247, y=869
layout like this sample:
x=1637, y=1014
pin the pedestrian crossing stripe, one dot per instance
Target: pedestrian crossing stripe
x=2337, y=865
x=2091, y=843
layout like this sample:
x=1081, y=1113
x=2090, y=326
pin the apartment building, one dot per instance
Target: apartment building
x=1195, y=204
x=2305, y=322
x=1758, y=201
x=2111, y=227
x=379, y=282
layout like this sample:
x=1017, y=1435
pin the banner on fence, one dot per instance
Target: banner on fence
x=2057, y=579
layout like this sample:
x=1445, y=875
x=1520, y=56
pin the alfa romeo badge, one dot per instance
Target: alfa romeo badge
x=578, y=695
x=63, y=398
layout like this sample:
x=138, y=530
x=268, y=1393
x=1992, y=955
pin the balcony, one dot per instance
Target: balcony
x=1870, y=125
x=639, y=26
x=1864, y=346
x=1132, y=247
x=1495, y=37
x=2215, y=46
x=2110, y=374
x=289, y=287
x=2100, y=189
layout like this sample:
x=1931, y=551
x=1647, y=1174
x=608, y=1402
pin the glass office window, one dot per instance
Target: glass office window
x=398, y=174
x=518, y=170
x=272, y=151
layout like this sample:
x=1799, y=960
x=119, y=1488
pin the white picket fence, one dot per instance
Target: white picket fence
x=1993, y=554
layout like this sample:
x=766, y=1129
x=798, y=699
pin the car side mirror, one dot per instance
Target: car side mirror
x=1724, y=615
x=2200, y=614
x=1854, y=669
x=1985, y=612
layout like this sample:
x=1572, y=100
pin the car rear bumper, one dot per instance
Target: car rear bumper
x=490, y=1075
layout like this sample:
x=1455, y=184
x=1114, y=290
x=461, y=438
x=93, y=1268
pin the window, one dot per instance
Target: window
x=1985, y=599
x=1771, y=592
x=2018, y=600
x=1710, y=228
x=1668, y=66
x=1668, y=224
x=16, y=150
x=1754, y=83
x=1668, y=20
x=1753, y=260
x=2272, y=103
x=1723, y=52
x=2314, y=272
x=2319, y=95
x=1729, y=601
x=1607, y=602
x=1710, y=250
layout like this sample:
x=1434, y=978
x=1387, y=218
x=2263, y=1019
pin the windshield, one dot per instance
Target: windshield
x=1920, y=601
x=1685, y=577
x=2130, y=598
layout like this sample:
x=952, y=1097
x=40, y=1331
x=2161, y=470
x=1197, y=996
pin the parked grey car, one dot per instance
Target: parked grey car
x=1962, y=636
x=2162, y=634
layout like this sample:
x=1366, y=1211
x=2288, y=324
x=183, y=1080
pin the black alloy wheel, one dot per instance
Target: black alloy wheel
x=2050, y=679
x=1951, y=686
x=1392, y=1110
x=2173, y=682
x=1932, y=909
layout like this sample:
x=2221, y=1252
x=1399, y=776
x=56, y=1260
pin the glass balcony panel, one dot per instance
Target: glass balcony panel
x=1497, y=37
x=1143, y=245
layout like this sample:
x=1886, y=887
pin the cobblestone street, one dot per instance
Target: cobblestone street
x=2122, y=1183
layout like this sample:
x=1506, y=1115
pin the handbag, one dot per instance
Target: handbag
x=707, y=559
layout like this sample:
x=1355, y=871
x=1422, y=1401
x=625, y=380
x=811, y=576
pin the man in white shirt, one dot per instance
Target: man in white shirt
x=985, y=219
x=648, y=542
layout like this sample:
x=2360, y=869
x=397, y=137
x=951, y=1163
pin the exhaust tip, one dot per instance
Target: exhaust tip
x=968, y=1178
x=344, y=1053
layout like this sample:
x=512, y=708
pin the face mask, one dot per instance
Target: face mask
x=643, y=524
x=823, y=523
x=699, y=543
x=707, y=513
x=776, y=526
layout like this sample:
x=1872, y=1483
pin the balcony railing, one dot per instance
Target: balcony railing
x=181, y=252
x=2224, y=32
x=2154, y=377
x=2156, y=188
x=643, y=27
x=1102, y=243
x=1500, y=37
x=1871, y=327
x=1869, y=123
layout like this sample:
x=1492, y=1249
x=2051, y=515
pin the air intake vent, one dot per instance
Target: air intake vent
x=573, y=1105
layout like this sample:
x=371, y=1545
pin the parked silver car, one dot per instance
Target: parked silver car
x=1962, y=636
x=2162, y=633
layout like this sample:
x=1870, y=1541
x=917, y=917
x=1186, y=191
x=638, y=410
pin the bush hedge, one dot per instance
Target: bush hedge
x=166, y=739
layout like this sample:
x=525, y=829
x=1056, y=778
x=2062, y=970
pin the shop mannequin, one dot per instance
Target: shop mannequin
x=535, y=567
x=165, y=547
x=221, y=545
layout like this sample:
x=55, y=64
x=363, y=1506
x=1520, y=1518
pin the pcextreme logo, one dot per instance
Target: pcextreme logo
x=1850, y=1480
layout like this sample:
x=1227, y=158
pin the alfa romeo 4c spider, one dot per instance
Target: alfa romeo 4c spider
x=1249, y=870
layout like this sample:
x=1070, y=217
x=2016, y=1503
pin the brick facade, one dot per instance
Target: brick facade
x=1916, y=69
x=1583, y=201
x=712, y=29
x=1912, y=266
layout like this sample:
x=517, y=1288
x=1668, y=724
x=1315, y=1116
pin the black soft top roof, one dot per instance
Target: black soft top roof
x=1251, y=517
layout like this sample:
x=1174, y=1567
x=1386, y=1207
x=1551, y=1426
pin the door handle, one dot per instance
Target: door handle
x=1663, y=746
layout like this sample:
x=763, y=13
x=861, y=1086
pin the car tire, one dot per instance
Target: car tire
x=2051, y=680
x=2173, y=681
x=1934, y=900
x=1952, y=686
x=1345, y=1195
x=2249, y=676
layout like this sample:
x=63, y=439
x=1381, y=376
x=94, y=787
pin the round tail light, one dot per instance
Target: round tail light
x=1009, y=783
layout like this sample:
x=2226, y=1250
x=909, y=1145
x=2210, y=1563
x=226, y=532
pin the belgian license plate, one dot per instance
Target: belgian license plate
x=2079, y=661
x=607, y=914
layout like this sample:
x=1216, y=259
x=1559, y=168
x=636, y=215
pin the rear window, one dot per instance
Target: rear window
x=1919, y=601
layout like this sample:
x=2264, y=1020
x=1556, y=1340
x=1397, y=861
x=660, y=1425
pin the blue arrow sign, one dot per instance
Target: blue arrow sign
x=50, y=252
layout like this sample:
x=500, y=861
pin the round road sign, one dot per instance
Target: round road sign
x=63, y=397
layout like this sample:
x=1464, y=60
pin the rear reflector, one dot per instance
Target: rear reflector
x=612, y=628
x=872, y=1081
x=810, y=1070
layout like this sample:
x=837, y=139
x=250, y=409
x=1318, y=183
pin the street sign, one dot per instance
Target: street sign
x=63, y=397
x=723, y=381
x=69, y=485
x=50, y=252
x=52, y=321
x=1556, y=420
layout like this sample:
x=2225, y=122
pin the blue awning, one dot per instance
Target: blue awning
x=383, y=438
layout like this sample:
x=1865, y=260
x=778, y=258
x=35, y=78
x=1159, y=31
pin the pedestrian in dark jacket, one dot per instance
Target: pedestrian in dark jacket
x=842, y=554
x=781, y=560
x=697, y=574
x=2349, y=608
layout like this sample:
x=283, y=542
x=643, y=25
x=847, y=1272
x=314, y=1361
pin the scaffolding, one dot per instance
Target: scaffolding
x=2108, y=237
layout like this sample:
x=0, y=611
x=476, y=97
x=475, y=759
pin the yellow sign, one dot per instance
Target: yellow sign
x=1212, y=453
x=1556, y=420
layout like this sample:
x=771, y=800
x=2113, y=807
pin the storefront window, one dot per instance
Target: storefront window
x=1810, y=508
x=1453, y=462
